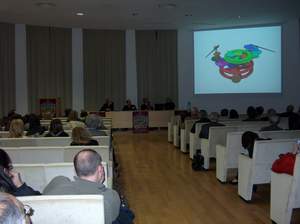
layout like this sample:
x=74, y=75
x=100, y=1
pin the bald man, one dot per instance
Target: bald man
x=89, y=180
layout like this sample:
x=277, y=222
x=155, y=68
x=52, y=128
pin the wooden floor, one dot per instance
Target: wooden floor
x=162, y=188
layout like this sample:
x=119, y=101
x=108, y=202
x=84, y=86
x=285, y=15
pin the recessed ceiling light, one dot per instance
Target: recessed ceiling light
x=80, y=14
x=167, y=6
x=45, y=4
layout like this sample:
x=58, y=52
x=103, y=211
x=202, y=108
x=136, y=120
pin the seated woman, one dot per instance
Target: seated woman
x=35, y=129
x=108, y=105
x=56, y=129
x=16, y=129
x=10, y=180
x=74, y=121
x=81, y=136
x=94, y=125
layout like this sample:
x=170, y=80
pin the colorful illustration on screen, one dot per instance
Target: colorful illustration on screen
x=237, y=64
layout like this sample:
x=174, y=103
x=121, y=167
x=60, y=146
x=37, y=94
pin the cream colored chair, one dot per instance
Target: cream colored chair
x=39, y=175
x=66, y=209
x=258, y=169
x=285, y=195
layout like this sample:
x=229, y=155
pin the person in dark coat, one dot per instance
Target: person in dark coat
x=10, y=180
x=214, y=118
x=56, y=129
x=129, y=106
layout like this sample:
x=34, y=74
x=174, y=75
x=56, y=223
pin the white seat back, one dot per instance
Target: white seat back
x=38, y=176
x=265, y=152
x=44, y=141
x=67, y=209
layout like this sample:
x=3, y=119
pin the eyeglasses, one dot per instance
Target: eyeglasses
x=28, y=211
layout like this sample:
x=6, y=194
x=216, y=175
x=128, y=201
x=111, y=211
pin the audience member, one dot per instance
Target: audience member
x=81, y=136
x=194, y=113
x=251, y=114
x=56, y=129
x=12, y=211
x=233, y=114
x=94, y=125
x=214, y=118
x=74, y=121
x=67, y=112
x=83, y=115
x=146, y=105
x=259, y=111
x=169, y=105
x=10, y=180
x=294, y=122
x=108, y=105
x=129, y=106
x=89, y=180
x=35, y=129
x=16, y=128
x=224, y=112
x=270, y=112
x=248, y=140
x=289, y=111
x=203, y=119
x=274, y=121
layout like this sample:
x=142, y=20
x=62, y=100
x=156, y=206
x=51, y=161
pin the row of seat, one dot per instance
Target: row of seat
x=224, y=144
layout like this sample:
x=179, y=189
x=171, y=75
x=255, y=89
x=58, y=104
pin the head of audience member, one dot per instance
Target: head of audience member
x=251, y=113
x=56, y=126
x=202, y=114
x=34, y=125
x=214, y=116
x=5, y=161
x=67, y=112
x=224, y=112
x=93, y=121
x=259, y=110
x=271, y=112
x=12, y=211
x=233, y=114
x=80, y=135
x=8, y=186
x=83, y=114
x=290, y=108
x=87, y=164
x=16, y=128
x=248, y=139
x=128, y=102
x=48, y=115
x=194, y=112
x=274, y=120
x=73, y=115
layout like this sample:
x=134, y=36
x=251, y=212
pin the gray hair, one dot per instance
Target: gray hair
x=10, y=213
x=214, y=116
x=86, y=162
x=94, y=121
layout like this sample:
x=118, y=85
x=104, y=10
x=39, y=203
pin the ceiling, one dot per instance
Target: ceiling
x=149, y=14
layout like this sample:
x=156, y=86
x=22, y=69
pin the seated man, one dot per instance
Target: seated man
x=214, y=117
x=13, y=211
x=203, y=119
x=89, y=180
x=274, y=121
x=129, y=106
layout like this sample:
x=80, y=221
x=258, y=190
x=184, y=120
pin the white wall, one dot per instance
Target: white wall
x=290, y=72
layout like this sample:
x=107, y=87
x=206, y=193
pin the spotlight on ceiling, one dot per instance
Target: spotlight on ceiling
x=45, y=4
x=167, y=6
x=79, y=14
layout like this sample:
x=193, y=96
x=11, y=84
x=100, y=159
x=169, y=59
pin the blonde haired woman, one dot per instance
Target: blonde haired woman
x=81, y=136
x=16, y=128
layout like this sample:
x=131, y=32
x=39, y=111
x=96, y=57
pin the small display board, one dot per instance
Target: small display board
x=140, y=121
x=50, y=106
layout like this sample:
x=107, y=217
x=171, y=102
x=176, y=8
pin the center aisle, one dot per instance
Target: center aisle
x=161, y=187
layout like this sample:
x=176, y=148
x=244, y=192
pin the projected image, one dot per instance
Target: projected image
x=237, y=64
x=240, y=60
